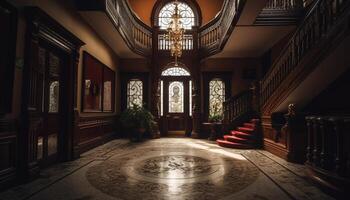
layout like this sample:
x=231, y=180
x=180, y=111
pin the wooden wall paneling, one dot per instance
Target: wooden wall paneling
x=94, y=131
x=8, y=131
x=8, y=153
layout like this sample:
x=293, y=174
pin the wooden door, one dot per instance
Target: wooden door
x=49, y=87
x=176, y=104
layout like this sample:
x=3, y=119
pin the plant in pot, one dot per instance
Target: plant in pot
x=138, y=120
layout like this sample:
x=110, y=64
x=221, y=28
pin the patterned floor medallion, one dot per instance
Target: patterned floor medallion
x=172, y=174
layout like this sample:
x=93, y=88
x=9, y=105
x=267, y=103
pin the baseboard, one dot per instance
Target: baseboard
x=92, y=143
x=277, y=149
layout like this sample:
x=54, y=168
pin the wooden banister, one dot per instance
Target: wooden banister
x=315, y=29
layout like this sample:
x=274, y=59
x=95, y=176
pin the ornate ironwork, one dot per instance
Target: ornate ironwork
x=187, y=15
x=175, y=71
x=216, y=97
x=135, y=93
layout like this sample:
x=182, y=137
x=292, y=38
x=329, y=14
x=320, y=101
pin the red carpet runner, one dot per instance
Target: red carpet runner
x=241, y=138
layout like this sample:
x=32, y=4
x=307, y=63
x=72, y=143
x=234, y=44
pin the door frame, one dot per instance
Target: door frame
x=164, y=119
x=41, y=28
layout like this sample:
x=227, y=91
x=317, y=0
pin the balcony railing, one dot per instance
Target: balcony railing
x=164, y=43
x=136, y=34
x=283, y=4
x=214, y=35
x=315, y=28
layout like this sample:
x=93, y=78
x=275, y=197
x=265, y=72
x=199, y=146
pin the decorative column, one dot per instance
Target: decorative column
x=155, y=87
x=196, y=87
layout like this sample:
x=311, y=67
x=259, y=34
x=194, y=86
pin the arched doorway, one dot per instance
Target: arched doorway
x=176, y=101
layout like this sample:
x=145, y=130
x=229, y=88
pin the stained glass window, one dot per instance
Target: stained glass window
x=176, y=97
x=175, y=71
x=216, y=97
x=54, y=97
x=134, y=93
x=187, y=15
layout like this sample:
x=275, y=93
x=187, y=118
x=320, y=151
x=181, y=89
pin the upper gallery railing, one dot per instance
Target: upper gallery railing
x=214, y=35
x=135, y=33
x=316, y=27
x=281, y=12
x=283, y=4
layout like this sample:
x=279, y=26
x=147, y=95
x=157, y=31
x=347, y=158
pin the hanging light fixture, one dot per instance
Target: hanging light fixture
x=175, y=34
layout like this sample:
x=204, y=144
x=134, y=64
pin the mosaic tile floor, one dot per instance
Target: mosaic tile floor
x=169, y=168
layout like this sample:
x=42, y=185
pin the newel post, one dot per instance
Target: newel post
x=295, y=131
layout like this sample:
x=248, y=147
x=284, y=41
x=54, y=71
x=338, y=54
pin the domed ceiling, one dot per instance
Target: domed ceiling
x=143, y=9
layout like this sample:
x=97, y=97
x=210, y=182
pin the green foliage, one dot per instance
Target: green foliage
x=216, y=113
x=215, y=118
x=137, y=117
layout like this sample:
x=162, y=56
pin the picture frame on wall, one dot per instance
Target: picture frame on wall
x=98, y=85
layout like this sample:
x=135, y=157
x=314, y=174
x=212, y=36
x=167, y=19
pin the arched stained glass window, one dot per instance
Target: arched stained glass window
x=175, y=71
x=176, y=97
x=187, y=15
x=134, y=93
x=216, y=97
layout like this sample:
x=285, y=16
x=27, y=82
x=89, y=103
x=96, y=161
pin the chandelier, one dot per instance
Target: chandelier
x=175, y=34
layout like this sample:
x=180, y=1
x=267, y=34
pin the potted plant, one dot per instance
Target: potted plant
x=138, y=120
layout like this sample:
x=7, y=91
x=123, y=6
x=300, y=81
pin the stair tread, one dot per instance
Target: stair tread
x=245, y=129
x=229, y=144
x=235, y=137
x=240, y=132
x=249, y=125
x=241, y=140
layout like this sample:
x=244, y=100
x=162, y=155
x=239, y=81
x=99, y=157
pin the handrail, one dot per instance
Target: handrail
x=317, y=24
x=136, y=34
x=237, y=106
x=214, y=35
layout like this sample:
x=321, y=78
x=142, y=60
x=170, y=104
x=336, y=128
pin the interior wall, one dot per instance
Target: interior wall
x=236, y=66
x=65, y=15
x=134, y=65
x=143, y=9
